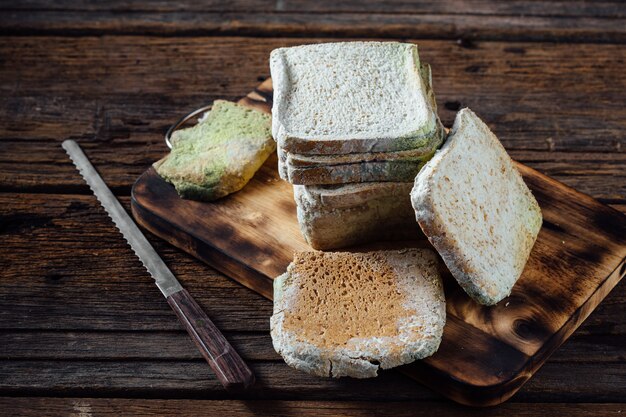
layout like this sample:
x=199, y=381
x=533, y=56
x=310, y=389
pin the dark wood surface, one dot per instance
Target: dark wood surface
x=578, y=258
x=81, y=321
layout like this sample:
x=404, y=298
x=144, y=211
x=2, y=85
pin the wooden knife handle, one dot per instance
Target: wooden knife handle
x=228, y=366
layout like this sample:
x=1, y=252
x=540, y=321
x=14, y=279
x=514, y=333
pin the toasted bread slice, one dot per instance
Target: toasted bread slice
x=339, y=98
x=349, y=314
x=476, y=210
x=332, y=217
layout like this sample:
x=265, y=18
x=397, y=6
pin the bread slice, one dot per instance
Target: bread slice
x=398, y=166
x=332, y=217
x=476, y=210
x=377, y=171
x=352, y=97
x=376, y=167
x=220, y=154
x=349, y=314
x=305, y=161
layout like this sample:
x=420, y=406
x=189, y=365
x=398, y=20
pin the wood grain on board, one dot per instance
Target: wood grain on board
x=578, y=258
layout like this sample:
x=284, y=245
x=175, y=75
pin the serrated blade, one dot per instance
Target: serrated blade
x=165, y=280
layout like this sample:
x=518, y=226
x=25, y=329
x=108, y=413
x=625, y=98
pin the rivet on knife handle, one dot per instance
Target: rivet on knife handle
x=228, y=366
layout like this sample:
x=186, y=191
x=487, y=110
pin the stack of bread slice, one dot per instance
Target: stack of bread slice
x=358, y=137
x=354, y=124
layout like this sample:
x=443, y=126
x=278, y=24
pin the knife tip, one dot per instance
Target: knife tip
x=67, y=143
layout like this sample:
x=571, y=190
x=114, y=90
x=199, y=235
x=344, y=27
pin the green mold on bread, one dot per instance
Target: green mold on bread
x=220, y=154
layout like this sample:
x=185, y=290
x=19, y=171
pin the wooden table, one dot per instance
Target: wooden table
x=83, y=330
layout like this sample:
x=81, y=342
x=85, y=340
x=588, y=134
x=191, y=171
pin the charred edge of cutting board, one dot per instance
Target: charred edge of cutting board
x=472, y=391
x=470, y=387
x=489, y=371
x=260, y=98
x=211, y=255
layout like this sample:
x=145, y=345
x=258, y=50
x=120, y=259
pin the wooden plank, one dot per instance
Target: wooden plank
x=41, y=407
x=120, y=117
x=84, y=267
x=542, y=97
x=191, y=379
x=582, y=347
x=42, y=166
x=487, y=7
x=126, y=6
x=513, y=27
x=476, y=7
x=582, y=382
x=619, y=206
x=122, y=346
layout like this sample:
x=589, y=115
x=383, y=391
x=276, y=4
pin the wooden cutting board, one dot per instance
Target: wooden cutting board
x=487, y=353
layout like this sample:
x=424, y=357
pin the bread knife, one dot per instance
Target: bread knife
x=228, y=366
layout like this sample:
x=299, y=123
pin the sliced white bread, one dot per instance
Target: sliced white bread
x=351, y=97
x=332, y=217
x=374, y=171
x=476, y=210
x=375, y=167
x=349, y=314
x=301, y=161
x=400, y=166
